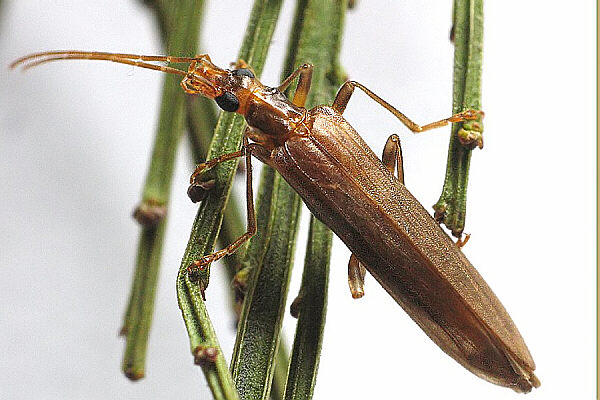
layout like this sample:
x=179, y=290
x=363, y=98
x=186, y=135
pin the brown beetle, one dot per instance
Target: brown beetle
x=347, y=187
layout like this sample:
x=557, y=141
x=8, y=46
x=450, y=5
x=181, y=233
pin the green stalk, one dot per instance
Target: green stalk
x=319, y=43
x=311, y=308
x=233, y=224
x=226, y=139
x=201, y=120
x=280, y=372
x=468, y=56
x=262, y=312
x=315, y=38
x=182, y=39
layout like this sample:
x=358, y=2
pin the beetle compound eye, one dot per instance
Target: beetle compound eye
x=243, y=72
x=228, y=102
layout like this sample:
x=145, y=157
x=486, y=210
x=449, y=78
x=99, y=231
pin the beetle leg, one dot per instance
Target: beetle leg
x=461, y=242
x=392, y=160
x=343, y=97
x=392, y=157
x=305, y=72
x=246, y=151
x=356, y=277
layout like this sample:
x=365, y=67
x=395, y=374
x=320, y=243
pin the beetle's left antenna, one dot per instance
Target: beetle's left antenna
x=137, y=60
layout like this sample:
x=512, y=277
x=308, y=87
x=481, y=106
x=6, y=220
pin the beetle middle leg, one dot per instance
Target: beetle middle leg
x=343, y=97
x=392, y=160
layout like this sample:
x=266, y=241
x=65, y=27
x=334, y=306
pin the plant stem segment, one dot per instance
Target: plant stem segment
x=468, y=55
x=322, y=24
x=181, y=39
x=315, y=38
x=262, y=312
x=227, y=138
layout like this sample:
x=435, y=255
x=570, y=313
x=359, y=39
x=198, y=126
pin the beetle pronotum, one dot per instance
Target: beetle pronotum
x=347, y=187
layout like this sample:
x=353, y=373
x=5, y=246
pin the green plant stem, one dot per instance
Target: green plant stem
x=226, y=139
x=468, y=55
x=315, y=38
x=262, y=312
x=201, y=121
x=321, y=31
x=199, y=116
x=138, y=316
x=280, y=368
x=202, y=337
x=312, y=306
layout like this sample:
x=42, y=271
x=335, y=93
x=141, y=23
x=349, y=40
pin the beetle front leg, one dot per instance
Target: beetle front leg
x=199, y=189
x=246, y=151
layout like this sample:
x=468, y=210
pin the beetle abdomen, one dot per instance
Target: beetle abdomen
x=345, y=185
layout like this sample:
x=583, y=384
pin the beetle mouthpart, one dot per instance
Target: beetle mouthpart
x=195, y=84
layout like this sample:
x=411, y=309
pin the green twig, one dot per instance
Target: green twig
x=315, y=38
x=321, y=31
x=468, y=55
x=138, y=317
x=182, y=39
x=311, y=310
x=280, y=373
x=260, y=322
x=227, y=138
x=231, y=229
x=203, y=340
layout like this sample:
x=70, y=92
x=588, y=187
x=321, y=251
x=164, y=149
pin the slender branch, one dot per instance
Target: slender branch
x=182, y=39
x=260, y=321
x=320, y=42
x=200, y=112
x=468, y=56
x=315, y=38
x=203, y=340
x=310, y=306
x=280, y=373
x=226, y=139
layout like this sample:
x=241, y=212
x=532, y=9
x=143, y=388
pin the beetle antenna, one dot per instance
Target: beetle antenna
x=136, y=60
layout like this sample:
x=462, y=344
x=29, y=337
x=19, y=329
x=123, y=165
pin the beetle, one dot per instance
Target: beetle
x=347, y=187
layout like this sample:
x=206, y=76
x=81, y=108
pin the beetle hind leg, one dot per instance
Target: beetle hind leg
x=356, y=277
x=392, y=160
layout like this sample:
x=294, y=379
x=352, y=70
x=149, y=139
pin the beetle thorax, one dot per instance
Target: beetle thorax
x=273, y=114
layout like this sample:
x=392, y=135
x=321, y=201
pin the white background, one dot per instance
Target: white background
x=75, y=140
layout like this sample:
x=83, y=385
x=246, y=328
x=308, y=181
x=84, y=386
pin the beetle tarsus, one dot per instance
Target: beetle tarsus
x=198, y=191
x=356, y=277
x=461, y=243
